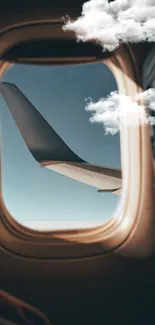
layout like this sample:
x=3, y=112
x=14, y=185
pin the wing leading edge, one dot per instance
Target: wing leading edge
x=50, y=150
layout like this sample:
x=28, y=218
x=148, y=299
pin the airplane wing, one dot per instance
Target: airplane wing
x=49, y=149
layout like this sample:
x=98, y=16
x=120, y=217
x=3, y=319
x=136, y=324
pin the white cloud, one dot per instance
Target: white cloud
x=111, y=24
x=119, y=109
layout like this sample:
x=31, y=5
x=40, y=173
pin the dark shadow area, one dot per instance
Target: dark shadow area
x=116, y=290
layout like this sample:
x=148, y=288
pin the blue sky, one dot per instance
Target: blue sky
x=35, y=194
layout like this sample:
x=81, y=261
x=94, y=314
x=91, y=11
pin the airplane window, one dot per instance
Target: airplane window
x=51, y=172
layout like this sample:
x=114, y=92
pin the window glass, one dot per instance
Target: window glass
x=40, y=197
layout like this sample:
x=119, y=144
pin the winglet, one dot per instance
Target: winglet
x=41, y=139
